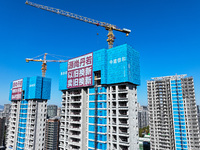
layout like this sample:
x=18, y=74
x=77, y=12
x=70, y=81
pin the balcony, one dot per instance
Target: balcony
x=123, y=122
x=123, y=113
x=75, y=119
x=73, y=147
x=122, y=88
x=123, y=140
x=74, y=133
x=76, y=100
x=123, y=130
x=61, y=137
x=113, y=96
x=123, y=105
x=114, y=137
x=122, y=147
x=75, y=113
x=122, y=96
x=74, y=141
x=75, y=106
x=113, y=104
x=113, y=88
x=75, y=127
x=114, y=121
x=75, y=93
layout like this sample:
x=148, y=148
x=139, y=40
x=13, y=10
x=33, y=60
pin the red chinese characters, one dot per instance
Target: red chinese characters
x=17, y=90
x=80, y=71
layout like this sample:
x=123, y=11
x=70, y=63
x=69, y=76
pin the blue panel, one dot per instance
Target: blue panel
x=100, y=129
x=102, y=146
x=101, y=105
x=10, y=93
x=91, y=90
x=100, y=137
x=99, y=113
x=91, y=144
x=91, y=120
x=102, y=97
x=99, y=121
x=25, y=87
x=102, y=113
x=63, y=76
x=101, y=89
x=91, y=128
x=35, y=88
x=91, y=112
x=92, y=105
x=178, y=115
x=117, y=67
x=133, y=66
x=91, y=136
x=100, y=64
x=91, y=97
x=46, y=88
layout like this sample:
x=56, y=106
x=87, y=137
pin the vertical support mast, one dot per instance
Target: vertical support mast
x=44, y=65
x=110, y=39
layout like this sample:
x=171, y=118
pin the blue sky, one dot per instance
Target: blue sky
x=165, y=32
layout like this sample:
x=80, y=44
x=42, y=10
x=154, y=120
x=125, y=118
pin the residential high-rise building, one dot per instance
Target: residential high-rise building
x=2, y=131
x=52, y=133
x=6, y=112
x=58, y=111
x=198, y=114
x=99, y=101
x=4, y=116
x=27, y=121
x=52, y=111
x=173, y=113
x=143, y=116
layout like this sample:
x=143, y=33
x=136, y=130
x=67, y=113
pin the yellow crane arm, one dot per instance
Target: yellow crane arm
x=107, y=26
x=30, y=59
x=44, y=63
x=40, y=60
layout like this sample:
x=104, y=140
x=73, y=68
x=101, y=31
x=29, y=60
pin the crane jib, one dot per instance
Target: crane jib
x=107, y=26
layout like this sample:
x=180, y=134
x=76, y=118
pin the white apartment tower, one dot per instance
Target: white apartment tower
x=27, y=122
x=100, y=111
x=173, y=113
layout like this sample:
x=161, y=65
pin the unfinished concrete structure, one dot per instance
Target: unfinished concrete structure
x=173, y=113
x=103, y=114
x=26, y=129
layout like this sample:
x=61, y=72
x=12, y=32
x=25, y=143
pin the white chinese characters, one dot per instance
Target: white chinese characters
x=80, y=71
x=117, y=60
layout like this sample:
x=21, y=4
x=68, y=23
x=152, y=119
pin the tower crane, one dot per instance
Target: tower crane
x=44, y=63
x=107, y=26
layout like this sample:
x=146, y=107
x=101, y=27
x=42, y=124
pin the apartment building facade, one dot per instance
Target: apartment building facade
x=173, y=113
x=143, y=116
x=27, y=122
x=52, y=133
x=100, y=110
x=52, y=111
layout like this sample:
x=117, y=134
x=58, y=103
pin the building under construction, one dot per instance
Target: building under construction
x=26, y=128
x=173, y=113
x=99, y=100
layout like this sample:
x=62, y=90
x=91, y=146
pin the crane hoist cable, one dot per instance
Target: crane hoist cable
x=107, y=26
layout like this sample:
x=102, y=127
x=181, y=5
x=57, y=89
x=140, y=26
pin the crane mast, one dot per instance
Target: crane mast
x=107, y=26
